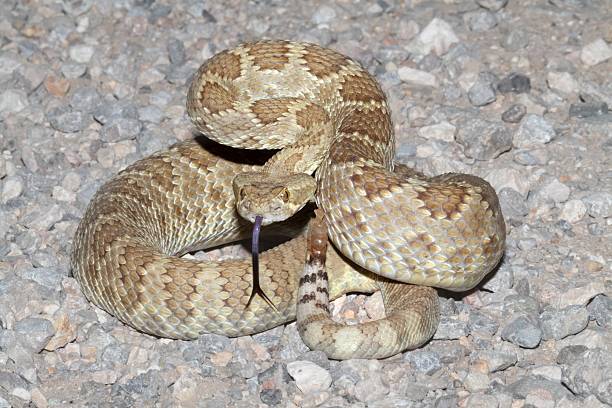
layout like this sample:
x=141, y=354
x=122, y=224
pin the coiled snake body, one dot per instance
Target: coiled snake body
x=327, y=114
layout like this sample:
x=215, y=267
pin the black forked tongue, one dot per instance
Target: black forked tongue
x=257, y=290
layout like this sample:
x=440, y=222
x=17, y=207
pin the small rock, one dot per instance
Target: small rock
x=309, y=377
x=529, y=384
x=484, y=140
x=496, y=360
x=151, y=114
x=417, y=77
x=34, y=332
x=478, y=400
x=533, y=131
x=532, y=157
x=120, y=129
x=427, y=362
x=44, y=218
x=442, y=131
x=493, y=5
x=81, y=53
x=517, y=83
x=596, y=52
x=599, y=205
x=68, y=121
x=476, y=381
x=508, y=177
x=600, y=310
x=482, y=92
x=324, y=15
x=516, y=40
x=57, y=86
x=550, y=372
x=437, y=36
x=176, y=51
x=85, y=99
x=11, y=189
x=13, y=101
x=514, y=113
x=579, y=295
x=587, y=372
x=562, y=82
x=558, y=324
x=450, y=328
x=480, y=21
x=573, y=211
x=372, y=388
x=555, y=190
x=73, y=70
x=522, y=331
x=479, y=322
x=587, y=110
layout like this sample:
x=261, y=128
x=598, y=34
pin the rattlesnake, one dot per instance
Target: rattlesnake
x=327, y=114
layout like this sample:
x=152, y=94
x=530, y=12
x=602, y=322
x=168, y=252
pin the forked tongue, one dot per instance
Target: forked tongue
x=255, y=256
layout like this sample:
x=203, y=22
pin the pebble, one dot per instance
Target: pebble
x=13, y=101
x=484, y=140
x=81, y=53
x=595, y=52
x=57, y=86
x=587, y=110
x=600, y=310
x=573, y=211
x=480, y=21
x=438, y=36
x=482, y=92
x=372, y=388
x=514, y=114
x=323, y=15
x=176, y=51
x=417, y=77
x=587, y=371
x=533, y=131
x=558, y=324
x=441, y=131
x=523, y=331
x=579, y=295
x=493, y=5
x=426, y=362
x=496, y=360
x=34, y=332
x=516, y=83
x=67, y=120
x=12, y=187
x=562, y=82
x=309, y=377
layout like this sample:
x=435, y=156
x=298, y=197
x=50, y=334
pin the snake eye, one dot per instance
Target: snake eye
x=284, y=195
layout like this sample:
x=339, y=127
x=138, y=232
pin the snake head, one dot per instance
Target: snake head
x=275, y=197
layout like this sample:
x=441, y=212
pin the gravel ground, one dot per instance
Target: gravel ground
x=517, y=92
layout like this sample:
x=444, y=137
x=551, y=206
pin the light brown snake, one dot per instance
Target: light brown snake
x=327, y=114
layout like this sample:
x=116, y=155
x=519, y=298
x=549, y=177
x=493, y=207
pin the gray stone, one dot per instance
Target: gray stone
x=438, y=36
x=493, y=5
x=450, y=328
x=532, y=157
x=496, y=360
x=573, y=211
x=587, y=110
x=482, y=92
x=599, y=204
x=595, y=52
x=480, y=21
x=12, y=187
x=516, y=83
x=67, y=120
x=72, y=70
x=562, y=82
x=480, y=322
x=514, y=113
x=308, y=376
x=513, y=204
x=427, y=362
x=81, y=53
x=34, y=332
x=151, y=114
x=120, y=129
x=108, y=112
x=587, y=372
x=417, y=77
x=522, y=331
x=372, y=388
x=480, y=400
x=526, y=385
x=521, y=304
x=85, y=99
x=600, y=310
x=533, y=131
x=501, y=280
x=176, y=51
x=484, y=140
x=13, y=101
x=323, y=15
x=558, y=324
x=517, y=39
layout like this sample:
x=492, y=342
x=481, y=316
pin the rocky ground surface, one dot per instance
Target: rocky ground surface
x=517, y=92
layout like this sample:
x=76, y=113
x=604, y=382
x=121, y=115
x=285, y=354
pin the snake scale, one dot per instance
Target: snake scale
x=392, y=228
